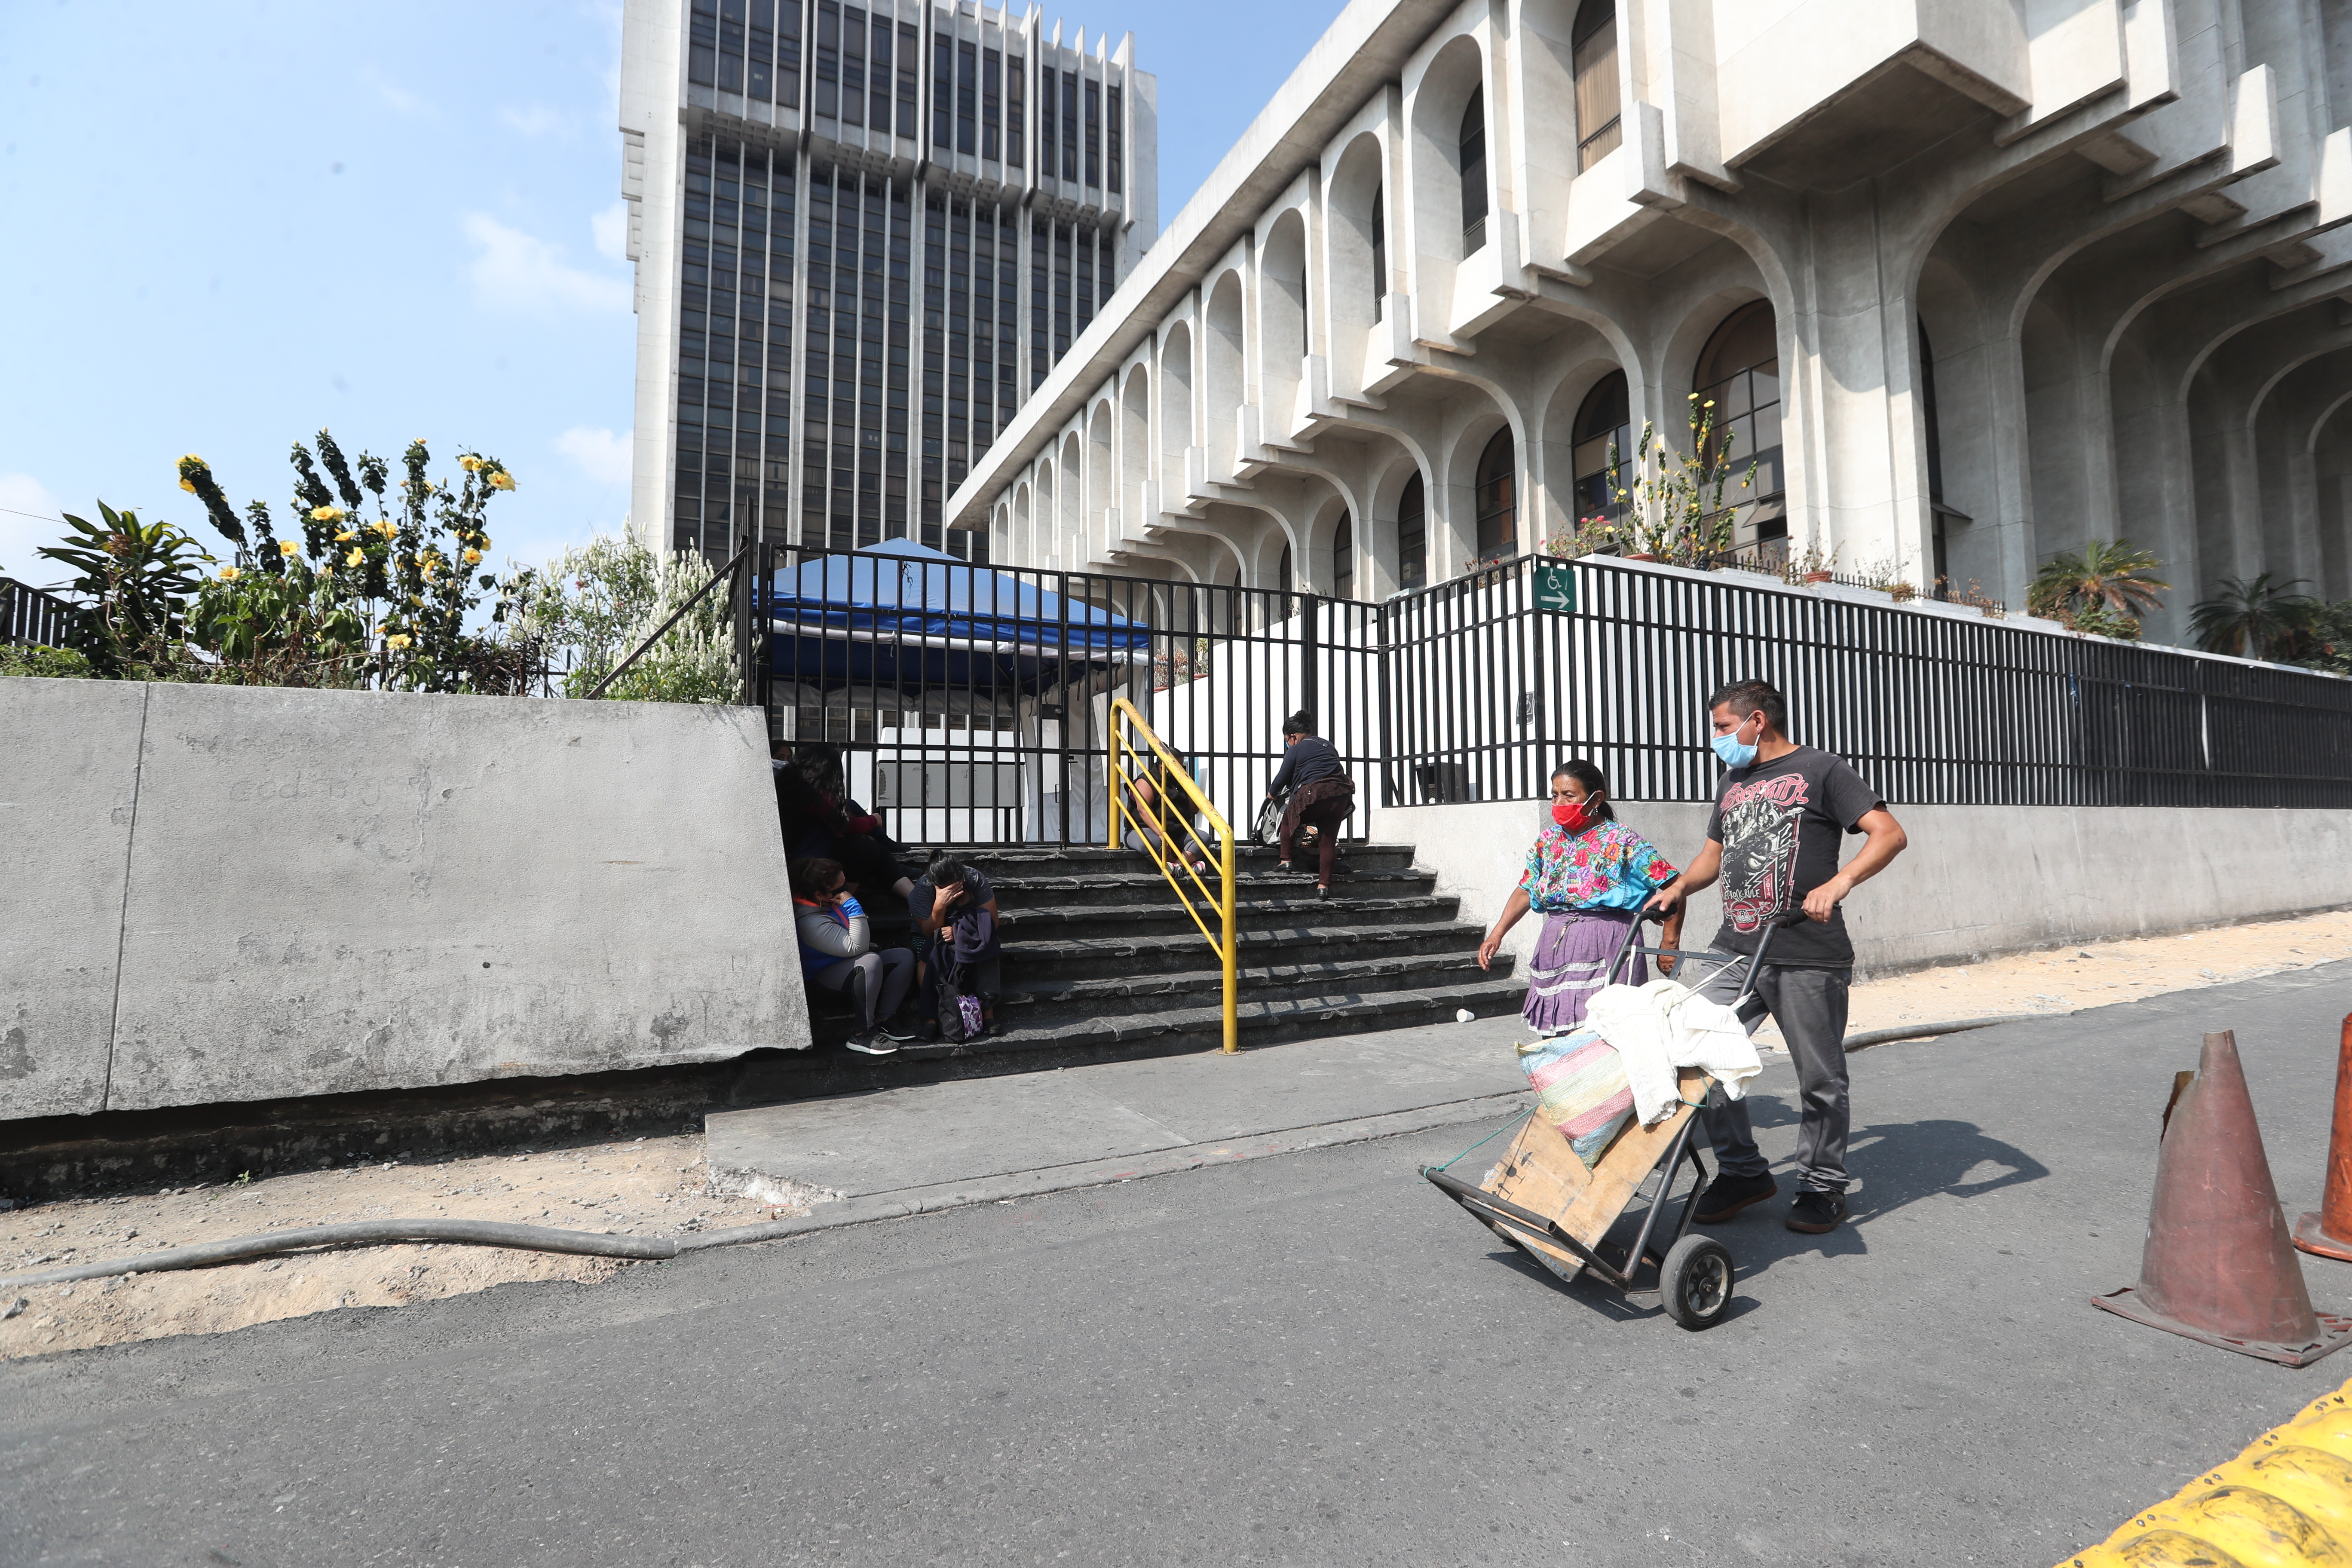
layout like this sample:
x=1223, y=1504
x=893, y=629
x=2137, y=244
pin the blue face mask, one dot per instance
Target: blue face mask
x=1735, y=752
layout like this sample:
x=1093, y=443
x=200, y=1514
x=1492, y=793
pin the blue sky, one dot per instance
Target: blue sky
x=231, y=224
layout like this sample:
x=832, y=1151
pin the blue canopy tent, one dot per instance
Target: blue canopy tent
x=900, y=615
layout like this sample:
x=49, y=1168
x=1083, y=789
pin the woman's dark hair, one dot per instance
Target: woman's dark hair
x=814, y=879
x=1594, y=780
x=1299, y=724
x=946, y=871
x=821, y=765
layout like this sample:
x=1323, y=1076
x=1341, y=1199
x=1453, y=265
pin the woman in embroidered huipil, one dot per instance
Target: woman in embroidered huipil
x=1588, y=875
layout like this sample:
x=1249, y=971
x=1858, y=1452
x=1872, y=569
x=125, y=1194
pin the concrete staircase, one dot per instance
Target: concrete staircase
x=1099, y=955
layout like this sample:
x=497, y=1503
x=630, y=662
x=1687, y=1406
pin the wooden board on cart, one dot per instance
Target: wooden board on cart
x=1540, y=1172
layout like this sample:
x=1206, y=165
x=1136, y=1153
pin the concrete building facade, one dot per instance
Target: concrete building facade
x=1974, y=281
x=863, y=235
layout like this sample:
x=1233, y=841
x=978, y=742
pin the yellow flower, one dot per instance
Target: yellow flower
x=326, y=568
x=398, y=639
x=188, y=486
x=230, y=574
x=416, y=599
x=473, y=558
x=343, y=534
x=285, y=547
x=470, y=463
x=1693, y=397
x=354, y=558
x=503, y=480
x=387, y=527
x=326, y=514
x=1708, y=404
x=483, y=539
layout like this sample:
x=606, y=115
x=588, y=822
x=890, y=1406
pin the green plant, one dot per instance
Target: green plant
x=353, y=600
x=1677, y=508
x=2118, y=578
x=49, y=663
x=601, y=601
x=136, y=579
x=2257, y=619
x=2097, y=619
x=2331, y=640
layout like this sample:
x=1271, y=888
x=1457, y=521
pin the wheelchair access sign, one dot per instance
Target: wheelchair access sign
x=1556, y=587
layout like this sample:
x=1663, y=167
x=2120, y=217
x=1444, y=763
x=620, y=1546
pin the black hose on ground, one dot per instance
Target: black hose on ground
x=361, y=1233
x=1870, y=1038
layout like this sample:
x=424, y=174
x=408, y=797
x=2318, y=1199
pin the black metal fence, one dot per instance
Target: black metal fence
x=1491, y=680
x=971, y=702
x=30, y=615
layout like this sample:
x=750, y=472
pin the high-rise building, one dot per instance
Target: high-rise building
x=862, y=236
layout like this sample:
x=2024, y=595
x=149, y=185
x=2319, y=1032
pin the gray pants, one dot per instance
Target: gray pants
x=1810, y=1005
x=876, y=983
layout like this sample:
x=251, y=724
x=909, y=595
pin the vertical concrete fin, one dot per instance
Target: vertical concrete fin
x=2333, y=187
x=2254, y=121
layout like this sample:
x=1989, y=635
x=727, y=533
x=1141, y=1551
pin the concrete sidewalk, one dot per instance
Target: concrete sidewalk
x=897, y=1151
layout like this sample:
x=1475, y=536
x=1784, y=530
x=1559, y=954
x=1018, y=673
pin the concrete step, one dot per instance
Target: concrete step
x=1289, y=909
x=1334, y=938
x=1117, y=887
x=1034, y=1007
x=1051, y=861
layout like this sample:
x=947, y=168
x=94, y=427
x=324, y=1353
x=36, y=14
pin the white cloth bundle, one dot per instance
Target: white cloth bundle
x=1664, y=1026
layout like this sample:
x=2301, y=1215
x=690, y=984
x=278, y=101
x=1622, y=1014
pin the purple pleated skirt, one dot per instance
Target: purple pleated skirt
x=1572, y=962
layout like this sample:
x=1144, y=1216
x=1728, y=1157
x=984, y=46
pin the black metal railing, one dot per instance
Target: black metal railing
x=1485, y=689
x=29, y=615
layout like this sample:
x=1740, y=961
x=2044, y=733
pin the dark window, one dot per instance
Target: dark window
x=853, y=66
x=1282, y=571
x=1604, y=435
x=788, y=53
x=1016, y=106
x=879, y=79
x=1118, y=130
x=1474, y=171
x=1069, y=121
x=910, y=51
x=1927, y=407
x=763, y=52
x=731, y=45
x=942, y=89
x=1047, y=139
x=1495, y=498
x=1380, y=255
x=992, y=102
x=1412, y=535
x=702, y=44
x=1108, y=263
x=967, y=97
x=828, y=59
x=1343, y=558
x=1740, y=374
x=1595, y=55
x=1094, y=133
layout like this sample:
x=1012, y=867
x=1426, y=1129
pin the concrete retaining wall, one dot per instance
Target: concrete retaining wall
x=222, y=893
x=1976, y=880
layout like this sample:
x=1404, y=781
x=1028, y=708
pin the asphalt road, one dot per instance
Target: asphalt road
x=1313, y=1358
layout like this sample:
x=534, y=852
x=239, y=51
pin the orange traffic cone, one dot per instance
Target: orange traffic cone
x=2326, y=1232
x=2218, y=1265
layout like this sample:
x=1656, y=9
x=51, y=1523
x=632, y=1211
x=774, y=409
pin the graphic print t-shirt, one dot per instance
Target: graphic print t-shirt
x=1779, y=823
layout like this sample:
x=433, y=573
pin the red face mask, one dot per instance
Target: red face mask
x=1575, y=816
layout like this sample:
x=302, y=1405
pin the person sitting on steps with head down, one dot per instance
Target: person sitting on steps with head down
x=820, y=819
x=953, y=895
x=837, y=953
x=1322, y=796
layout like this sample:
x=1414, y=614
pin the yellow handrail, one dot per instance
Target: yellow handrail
x=1157, y=841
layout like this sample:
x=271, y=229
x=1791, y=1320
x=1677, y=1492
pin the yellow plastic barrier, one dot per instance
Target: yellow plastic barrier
x=1200, y=900
x=2286, y=1500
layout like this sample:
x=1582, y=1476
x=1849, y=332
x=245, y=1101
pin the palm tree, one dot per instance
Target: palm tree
x=2119, y=578
x=2257, y=619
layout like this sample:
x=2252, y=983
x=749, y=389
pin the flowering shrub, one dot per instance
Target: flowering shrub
x=134, y=579
x=351, y=599
x=1678, y=513
x=600, y=602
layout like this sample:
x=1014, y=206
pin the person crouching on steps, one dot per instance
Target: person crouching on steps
x=1322, y=796
x=1587, y=875
x=949, y=901
x=837, y=953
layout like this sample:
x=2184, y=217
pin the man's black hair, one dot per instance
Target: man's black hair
x=1746, y=697
x=947, y=870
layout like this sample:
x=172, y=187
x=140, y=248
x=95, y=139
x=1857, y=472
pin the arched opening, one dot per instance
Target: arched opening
x=1603, y=438
x=1282, y=318
x=1222, y=348
x=1380, y=253
x=1175, y=408
x=1412, y=534
x=1343, y=558
x=1282, y=577
x=1472, y=148
x=1495, y=498
x=1594, y=54
x=1094, y=534
x=1935, y=440
x=1067, y=540
x=1739, y=373
x=1134, y=446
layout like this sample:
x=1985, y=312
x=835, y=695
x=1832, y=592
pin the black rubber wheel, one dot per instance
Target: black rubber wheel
x=1696, y=1281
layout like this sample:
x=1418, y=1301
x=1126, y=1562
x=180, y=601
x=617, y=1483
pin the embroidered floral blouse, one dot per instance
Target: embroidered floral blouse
x=1607, y=867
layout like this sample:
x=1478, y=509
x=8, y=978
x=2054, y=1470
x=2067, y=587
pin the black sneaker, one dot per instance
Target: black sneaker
x=870, y=1043
x=1727, y=1196
x=905, y=1031
x=1816, y=1213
